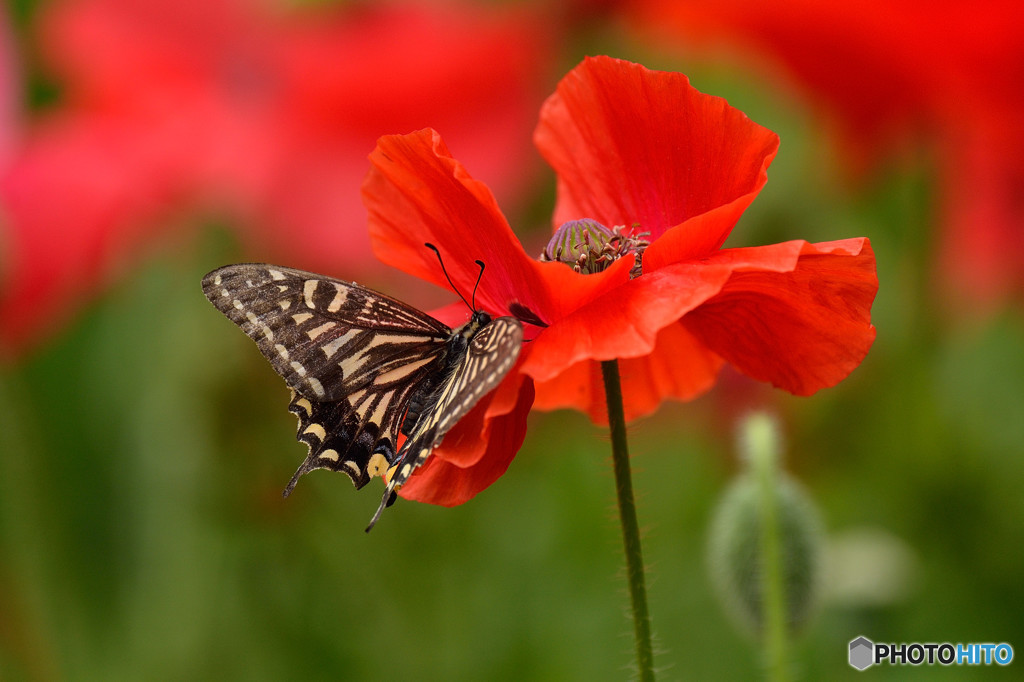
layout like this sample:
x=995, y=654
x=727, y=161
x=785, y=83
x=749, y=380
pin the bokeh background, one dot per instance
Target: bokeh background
x=144, y=441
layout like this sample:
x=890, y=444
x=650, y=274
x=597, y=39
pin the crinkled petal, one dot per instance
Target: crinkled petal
x=624, y=323
x=635, y=146
x=416, y=192
x=680, y=367
x=478, y=450
x=796, y=314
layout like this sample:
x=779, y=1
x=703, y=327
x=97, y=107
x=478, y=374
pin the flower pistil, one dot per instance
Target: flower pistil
x=589, y=247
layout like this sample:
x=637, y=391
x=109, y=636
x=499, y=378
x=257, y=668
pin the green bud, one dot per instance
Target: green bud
x=739, y=547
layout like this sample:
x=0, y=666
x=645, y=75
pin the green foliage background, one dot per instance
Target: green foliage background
x=143, y=451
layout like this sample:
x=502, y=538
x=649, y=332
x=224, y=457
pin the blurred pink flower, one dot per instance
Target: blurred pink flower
x=261, y=115
x=9, y=88
x=885, y=73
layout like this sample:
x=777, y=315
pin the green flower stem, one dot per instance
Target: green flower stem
x=773, y=633
x=627, y=515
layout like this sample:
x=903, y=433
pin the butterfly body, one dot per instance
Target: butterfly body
x=455, y=351
x=364, y=367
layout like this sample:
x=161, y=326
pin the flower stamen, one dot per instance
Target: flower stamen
x=589, y=247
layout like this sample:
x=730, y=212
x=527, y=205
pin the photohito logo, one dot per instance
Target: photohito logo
x=864, y=653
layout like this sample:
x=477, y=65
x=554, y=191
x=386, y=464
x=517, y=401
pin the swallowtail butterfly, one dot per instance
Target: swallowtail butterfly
x=364, y=367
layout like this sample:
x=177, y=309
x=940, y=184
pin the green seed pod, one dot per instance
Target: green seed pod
x=741, y=547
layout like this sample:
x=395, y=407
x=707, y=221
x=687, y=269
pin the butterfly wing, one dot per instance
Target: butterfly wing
x=490, y=355
x=352, y=357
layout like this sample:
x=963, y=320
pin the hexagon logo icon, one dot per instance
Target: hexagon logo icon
x=862, y=653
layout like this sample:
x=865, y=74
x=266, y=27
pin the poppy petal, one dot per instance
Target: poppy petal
x=635, y=146
x=416, y=192
x=794, y=314
x=625, y=322
x=680, y=367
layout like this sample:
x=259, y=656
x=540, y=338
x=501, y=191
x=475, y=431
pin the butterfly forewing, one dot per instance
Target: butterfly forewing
x=327, y=338
x=352, y=357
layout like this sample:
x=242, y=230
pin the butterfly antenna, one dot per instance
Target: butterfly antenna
x=478, y=278
x=450, y=282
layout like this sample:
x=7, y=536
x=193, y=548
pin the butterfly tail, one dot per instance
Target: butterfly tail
x=386, y=501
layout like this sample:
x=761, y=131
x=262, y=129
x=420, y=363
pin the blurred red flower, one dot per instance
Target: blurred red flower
x=885, y=73
x=645, y=150
x=263, y=115
x=9, y=88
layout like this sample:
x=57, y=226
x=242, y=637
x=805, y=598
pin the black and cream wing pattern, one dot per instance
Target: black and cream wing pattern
x=363, y=367
x=481, y=353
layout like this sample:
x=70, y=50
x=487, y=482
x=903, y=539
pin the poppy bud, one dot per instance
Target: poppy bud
x=763, y=498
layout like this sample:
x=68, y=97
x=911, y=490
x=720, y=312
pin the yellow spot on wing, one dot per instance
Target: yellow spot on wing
x=305, y=405
x=377, y=465
x=316, y=430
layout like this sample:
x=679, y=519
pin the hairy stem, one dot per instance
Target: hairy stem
x=627, y=515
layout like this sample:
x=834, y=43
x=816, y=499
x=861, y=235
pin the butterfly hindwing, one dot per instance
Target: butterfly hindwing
x=475, y=369
x=342, y=438
x=491, y=353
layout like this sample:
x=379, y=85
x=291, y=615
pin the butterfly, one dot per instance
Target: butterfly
x=364, y=367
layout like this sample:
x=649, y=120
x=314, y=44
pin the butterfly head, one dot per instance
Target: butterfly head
x=479, y=320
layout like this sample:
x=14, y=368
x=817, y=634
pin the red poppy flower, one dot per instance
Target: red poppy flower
x=884, y=73
x=264, y=115
x=644, y=150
